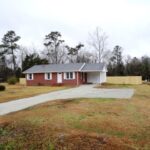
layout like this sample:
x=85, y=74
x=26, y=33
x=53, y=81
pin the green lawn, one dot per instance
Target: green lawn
x=81, y=124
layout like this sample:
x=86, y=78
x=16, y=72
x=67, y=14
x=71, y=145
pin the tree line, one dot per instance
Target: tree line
x=119, y=66
x=14, y=58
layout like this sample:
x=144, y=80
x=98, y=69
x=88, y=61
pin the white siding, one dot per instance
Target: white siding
x=96, y=77
x=103, y=77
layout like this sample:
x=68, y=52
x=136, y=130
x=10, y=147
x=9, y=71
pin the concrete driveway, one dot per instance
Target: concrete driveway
x=84, y=91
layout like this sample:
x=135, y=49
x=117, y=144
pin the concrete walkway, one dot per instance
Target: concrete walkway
x=84, y=91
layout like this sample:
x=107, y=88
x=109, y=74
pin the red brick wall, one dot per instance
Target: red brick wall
x=40, y=80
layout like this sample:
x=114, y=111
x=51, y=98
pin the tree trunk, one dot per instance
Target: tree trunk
x=56, y=53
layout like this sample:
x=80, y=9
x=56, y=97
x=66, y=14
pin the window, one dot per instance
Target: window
x=48, y=76
x=30, y=76
x=69, y=75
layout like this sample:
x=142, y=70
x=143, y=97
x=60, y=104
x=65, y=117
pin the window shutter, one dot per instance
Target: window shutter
x=27, y=76
x=73, y=75
x=32, y=76
x=65, y=75
x=45, y=76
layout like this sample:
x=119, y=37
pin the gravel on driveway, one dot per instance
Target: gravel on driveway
x=83, y=91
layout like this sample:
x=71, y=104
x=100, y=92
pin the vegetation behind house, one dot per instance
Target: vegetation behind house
x=15, y=58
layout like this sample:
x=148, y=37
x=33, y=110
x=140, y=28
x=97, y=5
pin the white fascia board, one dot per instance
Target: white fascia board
x=91, y=71
x=52, y=71
x=105, y=69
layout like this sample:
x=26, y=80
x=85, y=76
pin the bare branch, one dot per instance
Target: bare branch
x=98, y=40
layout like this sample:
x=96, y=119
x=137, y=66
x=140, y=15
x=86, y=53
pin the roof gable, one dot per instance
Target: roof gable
x=93, y=67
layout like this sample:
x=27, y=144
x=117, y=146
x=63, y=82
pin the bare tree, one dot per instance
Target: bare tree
x=61, y=55
x=85, y=56
x=23, y=53
x=98, y=40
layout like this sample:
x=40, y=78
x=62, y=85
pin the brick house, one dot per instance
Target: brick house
x=66, y=74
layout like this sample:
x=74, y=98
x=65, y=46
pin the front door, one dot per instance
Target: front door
x=59, y=77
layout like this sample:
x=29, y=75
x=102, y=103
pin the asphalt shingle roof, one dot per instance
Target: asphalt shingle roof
x=93, y=67
x=72, y=67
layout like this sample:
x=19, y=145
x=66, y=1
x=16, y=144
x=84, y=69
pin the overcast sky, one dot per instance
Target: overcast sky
x=126, y=22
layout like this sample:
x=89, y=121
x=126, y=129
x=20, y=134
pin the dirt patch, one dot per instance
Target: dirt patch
x=26, y=136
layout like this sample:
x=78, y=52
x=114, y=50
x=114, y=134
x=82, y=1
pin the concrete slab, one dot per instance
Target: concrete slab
x=84, y=91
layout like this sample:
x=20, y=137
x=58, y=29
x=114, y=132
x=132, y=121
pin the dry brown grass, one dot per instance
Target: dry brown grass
x=81, y=124
x=109, y=85
x=18, y=91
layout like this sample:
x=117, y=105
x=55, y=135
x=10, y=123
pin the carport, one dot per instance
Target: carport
x=93, y=73
x=94, y=77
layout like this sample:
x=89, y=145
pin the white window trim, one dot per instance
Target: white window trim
x=32, y=76
x=65, y=76
x=46, y=76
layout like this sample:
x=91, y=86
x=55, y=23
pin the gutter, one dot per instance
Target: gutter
x=93, y=71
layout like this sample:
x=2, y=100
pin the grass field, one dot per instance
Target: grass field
x=18, y=91
x=81, y=124
x=108, y=85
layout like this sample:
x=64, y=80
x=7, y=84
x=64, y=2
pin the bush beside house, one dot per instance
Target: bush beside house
x=2, y=88
x=12, y=80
